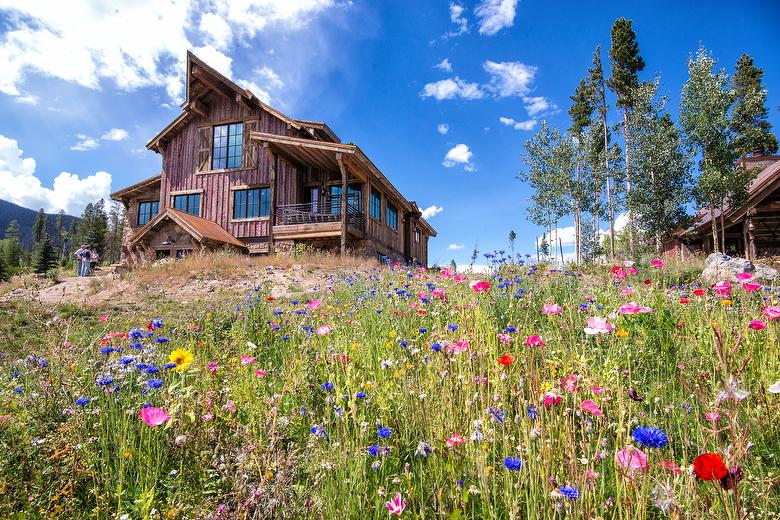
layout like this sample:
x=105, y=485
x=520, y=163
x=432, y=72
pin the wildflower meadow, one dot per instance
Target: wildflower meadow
x=624, y=391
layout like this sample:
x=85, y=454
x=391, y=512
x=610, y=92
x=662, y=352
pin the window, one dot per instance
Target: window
x=227, y=149
x=417, y=236
x=252, y=203
x=189, y=203
x=375, y=208
x=355, y=198
x=392, y=217
x=147, y=211
x=335, y=200
x=312, y=196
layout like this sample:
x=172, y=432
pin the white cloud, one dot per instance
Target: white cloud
x=451, y=89
x=18, y=184
x=459, y=154
x=475, y=268
x=27, y=99
x=445, y=65
x=85, y=143
x=518, y=125
x=431, y=211
x=567, y=234
x=133, y=44
x=455, y=247
x=495, y=15
x=510, y=78
x=115, y=134
x=460, y=21
x=443, y=128
x=539, y=104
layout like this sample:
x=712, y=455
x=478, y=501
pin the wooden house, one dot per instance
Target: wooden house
x=237, y=173
x=752, y=230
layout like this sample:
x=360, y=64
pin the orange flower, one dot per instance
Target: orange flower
x=506, y=360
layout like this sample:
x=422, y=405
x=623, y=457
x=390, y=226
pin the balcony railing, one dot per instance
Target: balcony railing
x=323, y=211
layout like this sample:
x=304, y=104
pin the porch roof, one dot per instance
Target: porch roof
x=129, y=190
x=199, y=228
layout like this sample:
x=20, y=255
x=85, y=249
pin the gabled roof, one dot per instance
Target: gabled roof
x=200, y=229
x=151, y=181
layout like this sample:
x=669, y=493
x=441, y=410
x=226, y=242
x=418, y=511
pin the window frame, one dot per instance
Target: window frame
x=391, y=210
x=245, y=189
x=141, y=203
x=417, y=235
x=374, y=194
x=187, y=196
x=228, y=147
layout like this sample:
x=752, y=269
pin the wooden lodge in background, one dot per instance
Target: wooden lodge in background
x=752, y=230
x=237, y=173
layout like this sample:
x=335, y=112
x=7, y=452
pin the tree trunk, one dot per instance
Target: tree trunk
x=577, y=217
x=609, y=188
x=722, y=231
x=714, y=231
x=630, y=229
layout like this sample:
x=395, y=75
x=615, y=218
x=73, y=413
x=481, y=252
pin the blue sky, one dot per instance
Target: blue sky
x=83, y=87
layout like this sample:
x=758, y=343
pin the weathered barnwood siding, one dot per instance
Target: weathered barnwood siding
x=181, y=175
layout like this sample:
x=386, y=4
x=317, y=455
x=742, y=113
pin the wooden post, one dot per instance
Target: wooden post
x=343, y=203
x=272, y=166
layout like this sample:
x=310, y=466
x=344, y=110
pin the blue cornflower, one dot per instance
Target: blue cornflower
x=169, y=366
x=82, y=401
x=497, y=414
x=126, y=360
x=19, y=389
x=360, y=395
x=384, y=432
x=161, y=340
x=532, y=411
x=510, y=329
x=570, y=492
x=151, y=369
x=373, y=450
x=105, y=381
x=15, y=374
x=327, y=386
x=404, y=343
x=157, y=323
x=136, y=334
x=42, y=362
x=107, y=350
x=513, y=463
x=422, y=330
x=452, y=327
x=318, y=431
x=436, y=347
x=154, y=383
x=650, y=437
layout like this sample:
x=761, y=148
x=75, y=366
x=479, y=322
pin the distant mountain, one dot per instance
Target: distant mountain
x=10, y=211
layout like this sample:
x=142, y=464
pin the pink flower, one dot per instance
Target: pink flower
x=569, y=383
x=505, y=338
x=458, y=278
x=744, y=276
x=455, y=440
x=247, y=359
x=447, y=273
x=631, y=458
x=439, y=293
x=213, y=367
x=772, y=312
x=230, y=405
x=551, y=308
x=597, y=325
x=314, y=304
x=626, y=292
x=657, y=262
x=551, y=398
x=534, y=341
x=591, y=407
x=751, y=286
x=628, y=263
x=598, y=390
x=104, y=318
x=632, y=270
x=757, y=325
x=633, y=308
x=479, y=286
x=457, y=348
x=722, y=289
x=260, y=373
x=153, y=416
x=712, y=416
x=207, y=417
x=67, y=344
x=671, y=466
x=397, y=505
x=323, y=330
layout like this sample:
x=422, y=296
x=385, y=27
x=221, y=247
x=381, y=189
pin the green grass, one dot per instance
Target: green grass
x=262, y=461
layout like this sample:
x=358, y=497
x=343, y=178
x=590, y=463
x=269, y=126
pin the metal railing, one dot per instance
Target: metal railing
x=323, y=211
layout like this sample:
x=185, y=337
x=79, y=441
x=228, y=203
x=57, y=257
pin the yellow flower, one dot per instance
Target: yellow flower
x=269, y=475
x=726, y=303
x=127, y=455
x=622, y=333
x=182, y=357
x=392, y=334
x=489, y=469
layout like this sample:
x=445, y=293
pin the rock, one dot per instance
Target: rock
x=719, y=267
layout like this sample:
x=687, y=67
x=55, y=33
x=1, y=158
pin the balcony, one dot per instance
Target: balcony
x=317, y=219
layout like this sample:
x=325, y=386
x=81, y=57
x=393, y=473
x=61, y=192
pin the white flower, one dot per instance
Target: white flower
x=775, y=388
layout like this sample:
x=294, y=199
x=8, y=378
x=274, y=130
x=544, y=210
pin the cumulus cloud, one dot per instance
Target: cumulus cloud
x=518, y=125
x=445, y=65
x=494, y=15
x=455, y=247
x=459, y=154
x=538, y=105
x=19, y=184
x=457, y=18
x=115, y=134
x=85, y=143
x=510, y=78
x=137, y=44
x=443, y=128
x=431, y=211
x=451, y=89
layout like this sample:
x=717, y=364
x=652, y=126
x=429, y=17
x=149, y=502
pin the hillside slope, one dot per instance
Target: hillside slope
x=10, y=211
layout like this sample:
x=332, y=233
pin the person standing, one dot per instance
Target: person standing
x=86, y=254
x=94, y=258
x=78, y=254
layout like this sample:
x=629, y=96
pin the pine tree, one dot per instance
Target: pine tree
x=753, y=133
x=581, y=112
x=626, y=63
x=116, y=219
x=12, y=247
x=598, y=91
x=92, y=227
x=59, y=233
x=40, y=227
x=4, y=270
x=704, y=118
x=43, y=257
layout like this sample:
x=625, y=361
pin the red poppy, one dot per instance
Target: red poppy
x=616, y=269
x=270, y=298
x=647, y=282
x=506, y=360
x=685, y=300
x=710, y=466
x=699, y=292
